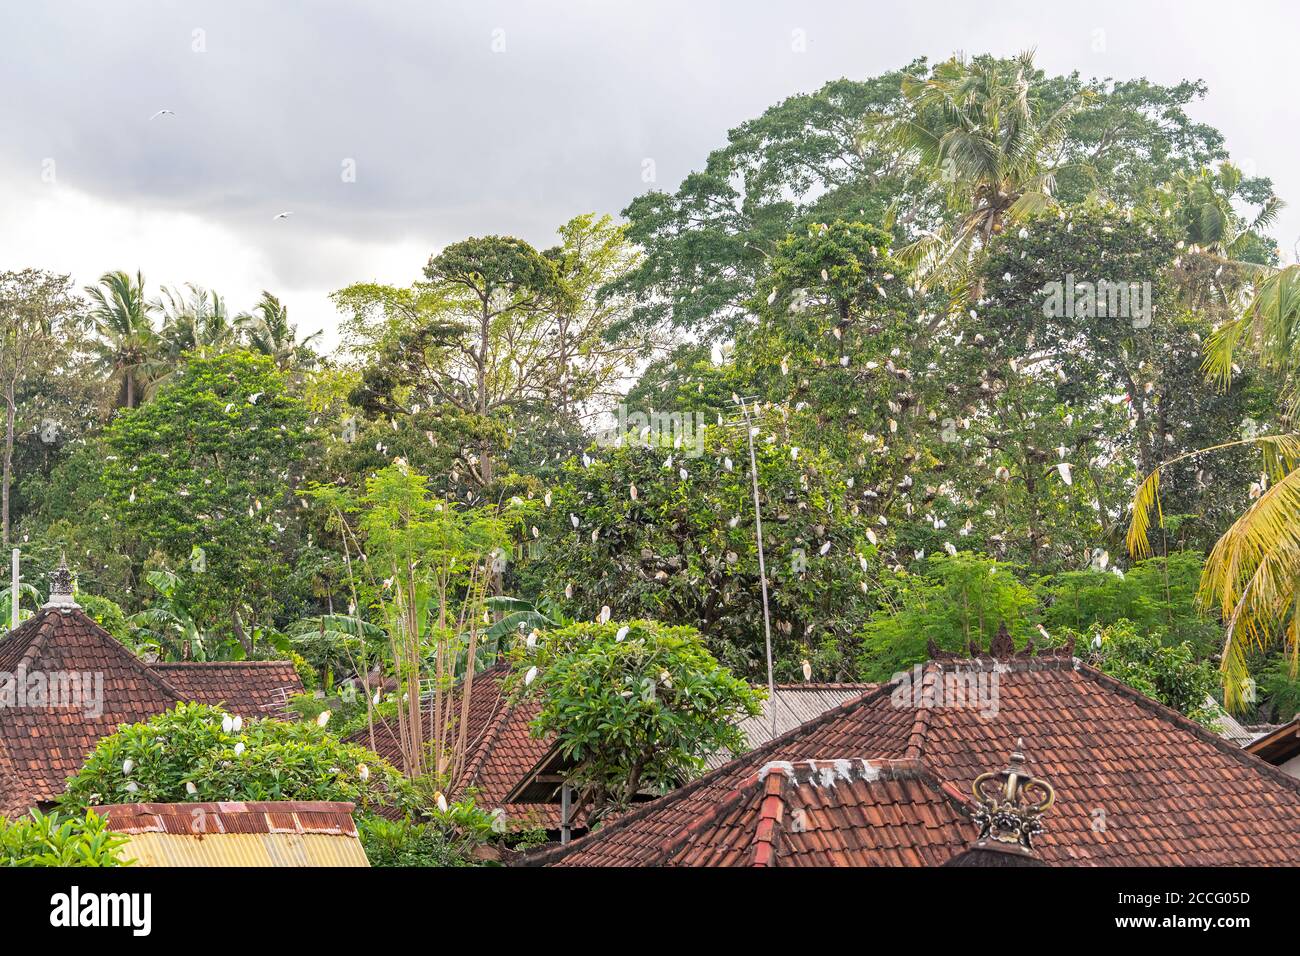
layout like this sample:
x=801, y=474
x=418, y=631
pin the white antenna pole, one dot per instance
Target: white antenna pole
x=762, y=566
x=13, y=594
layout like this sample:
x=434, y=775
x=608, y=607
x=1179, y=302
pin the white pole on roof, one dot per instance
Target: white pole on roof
x=762, y=563
x=13, y=594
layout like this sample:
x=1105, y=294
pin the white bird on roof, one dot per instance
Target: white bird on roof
x=807, y=670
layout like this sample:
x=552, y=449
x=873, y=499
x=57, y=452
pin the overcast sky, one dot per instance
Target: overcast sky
x=491, y=117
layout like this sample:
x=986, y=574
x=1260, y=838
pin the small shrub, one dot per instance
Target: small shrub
x=50, y=840
x=193, y=753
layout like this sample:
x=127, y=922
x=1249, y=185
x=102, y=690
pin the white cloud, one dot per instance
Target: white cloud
x=54, y=227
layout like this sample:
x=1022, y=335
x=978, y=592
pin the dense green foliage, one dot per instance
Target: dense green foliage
x=633, y=706
x=1169, y=673
x=194, y=752
x=967, y=307
x=48, y=839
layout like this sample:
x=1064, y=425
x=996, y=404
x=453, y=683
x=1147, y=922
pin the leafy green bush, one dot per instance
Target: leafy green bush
x=1158, y=596
x=195, y=753
x=635, y=705
x=48, y=840
x=107, y=614
x=953, y=602
x=1170, y=674
x=446, y=838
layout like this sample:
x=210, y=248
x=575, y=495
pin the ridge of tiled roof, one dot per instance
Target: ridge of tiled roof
x=250, y=688
x=47, y=622
x=551, y=854
x=762, y=821
x=41, y=746
x=1169, y=791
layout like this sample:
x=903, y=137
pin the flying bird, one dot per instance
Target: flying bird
x=162, y=113
x=281, y=215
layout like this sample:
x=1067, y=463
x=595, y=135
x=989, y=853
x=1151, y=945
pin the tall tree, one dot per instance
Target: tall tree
x=500, y=340
x=801, y=161
x=975, y=126
x=197, y=320
x=129, y=344
x=205, y=473
x=270, y=333
x=35, y=310
x=1253, y=573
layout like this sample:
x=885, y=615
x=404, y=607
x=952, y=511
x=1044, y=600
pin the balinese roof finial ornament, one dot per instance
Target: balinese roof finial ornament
x=61, y=586
x=1011, y=804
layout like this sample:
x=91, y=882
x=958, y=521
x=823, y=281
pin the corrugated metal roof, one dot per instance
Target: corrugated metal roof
x=1228, y=727
x=244, y=849
x=795, y=704
x=253, y=833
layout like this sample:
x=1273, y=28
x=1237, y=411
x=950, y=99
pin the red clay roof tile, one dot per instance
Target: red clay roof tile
x=1136, y=783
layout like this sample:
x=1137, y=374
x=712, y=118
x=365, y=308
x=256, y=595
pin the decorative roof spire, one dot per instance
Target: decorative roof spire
x=1011, y=803
x=61, y=587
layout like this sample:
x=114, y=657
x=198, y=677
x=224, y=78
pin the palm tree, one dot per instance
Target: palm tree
x=1252, y=576
x=1225, y=251
x=270, y=333
x=197, y=321
x=170, y=621
x=128, y=347
x=975, y=126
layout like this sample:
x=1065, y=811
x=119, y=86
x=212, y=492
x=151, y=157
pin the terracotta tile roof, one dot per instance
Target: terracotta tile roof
x=286, y=833
x=247, y=688
x=827, y=813
x=42, y=745
x=1136, y=783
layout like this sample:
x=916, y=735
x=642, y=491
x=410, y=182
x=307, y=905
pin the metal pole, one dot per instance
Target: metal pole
x=566, y=804
x=14, y=594
x=762, y=567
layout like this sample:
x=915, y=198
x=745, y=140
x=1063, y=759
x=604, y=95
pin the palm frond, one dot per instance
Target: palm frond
x=1285, y=447
x=1252, y=576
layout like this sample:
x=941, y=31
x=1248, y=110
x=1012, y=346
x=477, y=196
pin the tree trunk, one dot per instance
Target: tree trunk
x=485, y=447
x=238, y=626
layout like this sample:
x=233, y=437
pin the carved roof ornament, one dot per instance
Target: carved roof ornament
x=1001, y=648
x=1011, y=803
x=61, y=587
